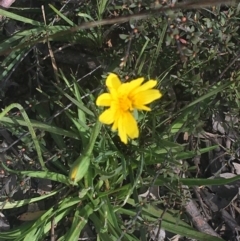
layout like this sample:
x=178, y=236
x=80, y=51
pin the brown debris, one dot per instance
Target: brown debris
x=198, y=220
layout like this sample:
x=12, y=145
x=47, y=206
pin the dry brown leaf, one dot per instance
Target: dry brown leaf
x=237, y=167
x=29, y=216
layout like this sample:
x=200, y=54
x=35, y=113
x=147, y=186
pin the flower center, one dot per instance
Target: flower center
x=125, y=103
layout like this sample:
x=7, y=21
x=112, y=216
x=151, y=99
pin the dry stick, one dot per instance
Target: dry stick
x=53, y=61
x=58, y=50
x=230, y=221
x=160, y=223
x=185, y=5
x=124, y=61
x=196, y=191
x=198, y=220
x=52, y=229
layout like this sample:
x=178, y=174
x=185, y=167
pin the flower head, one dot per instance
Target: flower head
x=122, y=99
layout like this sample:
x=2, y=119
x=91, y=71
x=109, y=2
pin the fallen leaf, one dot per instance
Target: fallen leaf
x=29, y=216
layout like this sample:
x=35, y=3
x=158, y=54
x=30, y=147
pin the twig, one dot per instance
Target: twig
x=196, y=191
x=52, y=229
x=198, y=220
x=54, y=63
x=160, y=223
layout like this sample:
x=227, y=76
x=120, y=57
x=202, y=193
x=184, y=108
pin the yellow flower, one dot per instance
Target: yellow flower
x=122, y=99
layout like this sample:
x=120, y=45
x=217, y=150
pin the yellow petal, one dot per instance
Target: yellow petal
x=130, y=125
x=113, y=82
x=142, y=107
x=126, y=88
x=127, y=127
x=122, y=130
x=147, y=86
x=115, y=125
x=116, y=118
x=107, y=117
x=104, y=100
x=146, y=97
x=135, y=83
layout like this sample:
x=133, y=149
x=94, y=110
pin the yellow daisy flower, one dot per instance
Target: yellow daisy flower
x=122, y=99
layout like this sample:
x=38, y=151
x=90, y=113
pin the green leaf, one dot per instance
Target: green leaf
x=199, y=181
x=80, y=166
x=75, y=102
x=40, y=174
x=79, y=169
x=178, y=155
x=67, y=20
x=19, y=18
x=79, y=221
x=41, y=126
x=17, y=204
x=123, y=36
